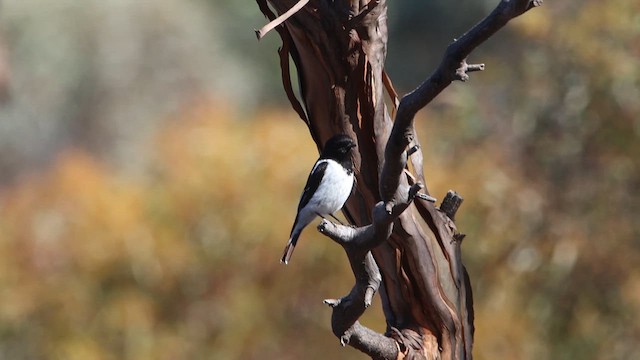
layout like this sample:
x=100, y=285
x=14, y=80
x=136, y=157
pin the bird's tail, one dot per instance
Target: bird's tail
x=288, y=250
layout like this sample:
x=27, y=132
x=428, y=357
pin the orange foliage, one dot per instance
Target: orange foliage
x=181, y=263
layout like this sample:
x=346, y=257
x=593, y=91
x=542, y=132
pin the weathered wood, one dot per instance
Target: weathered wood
x=339, y=49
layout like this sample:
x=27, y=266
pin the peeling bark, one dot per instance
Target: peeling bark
x=402, y=245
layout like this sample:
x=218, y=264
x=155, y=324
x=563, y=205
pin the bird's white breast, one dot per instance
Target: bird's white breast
x=334, y=189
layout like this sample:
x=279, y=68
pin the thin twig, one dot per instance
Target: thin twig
x=280, y=19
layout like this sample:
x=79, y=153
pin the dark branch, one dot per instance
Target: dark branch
x=315, y=35
x=374, y=344
x=365, y=238
x=451, y=203
x=453, y=66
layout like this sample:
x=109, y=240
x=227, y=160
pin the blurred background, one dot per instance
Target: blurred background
x=150, y=168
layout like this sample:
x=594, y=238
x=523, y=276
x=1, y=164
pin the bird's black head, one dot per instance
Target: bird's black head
x=338, y=148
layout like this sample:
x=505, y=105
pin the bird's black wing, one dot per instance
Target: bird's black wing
x=313, y=182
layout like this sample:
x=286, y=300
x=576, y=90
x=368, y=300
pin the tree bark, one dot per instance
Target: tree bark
x=403, y=245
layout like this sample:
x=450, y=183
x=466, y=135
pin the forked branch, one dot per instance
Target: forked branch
x=357, y=243
x=453, y=65
x=394, y=191
x=339, y=48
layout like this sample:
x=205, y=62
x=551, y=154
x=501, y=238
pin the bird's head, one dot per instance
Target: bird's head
x=338, y=147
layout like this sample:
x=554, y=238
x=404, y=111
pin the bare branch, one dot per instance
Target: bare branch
x=363, y=239
x=357, y=243
x=461, y=72
x=451, y=203
x=453, y=66
x=372, y=343
x=339, y=49
x=280, y=19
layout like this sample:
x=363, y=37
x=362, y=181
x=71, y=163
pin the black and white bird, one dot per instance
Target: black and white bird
x=328, y=187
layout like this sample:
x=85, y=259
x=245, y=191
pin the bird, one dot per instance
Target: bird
x=328, y=187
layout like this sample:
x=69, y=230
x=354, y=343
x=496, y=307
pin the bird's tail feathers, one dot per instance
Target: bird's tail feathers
x=288, y=250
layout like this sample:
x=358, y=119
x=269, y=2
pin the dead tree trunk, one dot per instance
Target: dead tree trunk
x=402, y=245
